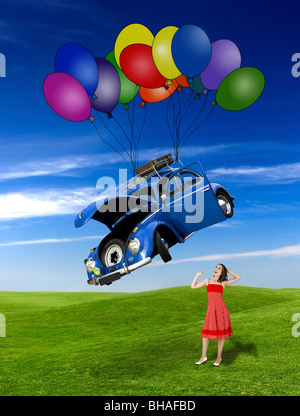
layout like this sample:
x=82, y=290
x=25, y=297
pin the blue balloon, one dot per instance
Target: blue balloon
x=191, y=50
x=75, y=60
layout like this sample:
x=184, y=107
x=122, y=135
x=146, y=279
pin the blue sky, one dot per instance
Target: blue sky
x=49, y=166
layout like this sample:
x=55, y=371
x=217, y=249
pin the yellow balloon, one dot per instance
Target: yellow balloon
x=162, y=53
x=131, y=34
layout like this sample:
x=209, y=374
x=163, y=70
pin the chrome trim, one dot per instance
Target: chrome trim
x=125, y=269
x=189, y=235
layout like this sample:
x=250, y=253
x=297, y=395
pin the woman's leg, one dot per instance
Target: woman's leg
x=205, y=342
x=220, y=349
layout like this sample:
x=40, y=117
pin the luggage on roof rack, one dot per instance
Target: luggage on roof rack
x=155, y=165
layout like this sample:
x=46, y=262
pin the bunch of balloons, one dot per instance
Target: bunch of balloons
x=185, y=57
x=155, y=67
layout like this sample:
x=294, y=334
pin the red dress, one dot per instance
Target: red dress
x=217, y=323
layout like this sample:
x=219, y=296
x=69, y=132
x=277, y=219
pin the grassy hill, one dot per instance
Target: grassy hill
x=147, y=343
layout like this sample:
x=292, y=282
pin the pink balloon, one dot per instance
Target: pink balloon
x=67, y=97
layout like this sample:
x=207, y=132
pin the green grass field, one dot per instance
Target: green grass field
x=146, y=343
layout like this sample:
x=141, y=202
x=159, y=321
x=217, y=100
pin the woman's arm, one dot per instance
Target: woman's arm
x=236, y=278
x=203, y=282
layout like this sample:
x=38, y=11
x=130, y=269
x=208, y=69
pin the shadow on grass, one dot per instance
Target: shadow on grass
x=236, y=348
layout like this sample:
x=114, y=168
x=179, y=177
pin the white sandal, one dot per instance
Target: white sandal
x=217, y=364
x=201, y=362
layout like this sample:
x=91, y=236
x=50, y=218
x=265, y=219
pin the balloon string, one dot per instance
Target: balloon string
x=203, y=105
x=168, y=124
x=132, y=140
x=130, y=144
x=113, y=135
x=189, y=105
x=197, y=128
x=176, y=123
x=110, y=144
x=175, y=127
x=133, y=135
x=138, y=140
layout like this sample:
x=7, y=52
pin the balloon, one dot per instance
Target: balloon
x=240, y=89
x=162, y=53
x=128, y=88
x=191, y=50
x=196, y=85
x=137, y=64
x=67, y=97
x=131, y=34
x=108, y=88
x=182, y=82
x=154, y=95
x=225, y=58
x=77, y=61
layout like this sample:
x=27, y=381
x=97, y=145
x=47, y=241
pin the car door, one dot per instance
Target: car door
x=190, y=201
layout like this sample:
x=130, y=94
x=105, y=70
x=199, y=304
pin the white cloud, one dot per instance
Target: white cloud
x=50, y=241
x=44, y=203
x=67, y=165
x=278, y=252
x=285, y=173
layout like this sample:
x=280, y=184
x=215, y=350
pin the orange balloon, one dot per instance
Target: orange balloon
x=154, y=95
x=182, y=81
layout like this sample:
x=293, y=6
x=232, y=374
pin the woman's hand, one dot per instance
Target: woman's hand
x=236, y=278
x=195, y=285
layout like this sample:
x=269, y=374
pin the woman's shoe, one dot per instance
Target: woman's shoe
x=217, y=364
x=201, y=362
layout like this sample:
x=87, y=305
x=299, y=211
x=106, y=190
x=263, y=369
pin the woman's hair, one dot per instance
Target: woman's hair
x=224, y=274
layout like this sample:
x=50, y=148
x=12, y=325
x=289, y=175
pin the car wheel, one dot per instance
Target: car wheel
x=112, y=252
x=162, y=247
x=225, y=203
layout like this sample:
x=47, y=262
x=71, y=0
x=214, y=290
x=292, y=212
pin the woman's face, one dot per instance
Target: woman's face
x=218, y=271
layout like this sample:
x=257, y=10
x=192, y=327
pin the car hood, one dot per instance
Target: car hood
x=110, y=210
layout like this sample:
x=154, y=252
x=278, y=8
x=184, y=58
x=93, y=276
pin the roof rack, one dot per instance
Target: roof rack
x=155, y=165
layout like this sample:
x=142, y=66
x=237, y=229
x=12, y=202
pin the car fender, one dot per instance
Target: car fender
x=146, y=235
x=216, y=186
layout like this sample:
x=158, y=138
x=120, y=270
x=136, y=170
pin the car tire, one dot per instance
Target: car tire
x=225, y=202
x=113, y=252
x=162, y=248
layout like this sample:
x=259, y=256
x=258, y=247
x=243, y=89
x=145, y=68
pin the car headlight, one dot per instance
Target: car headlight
x=97, y=271
x=89, y=264
x=134, y=246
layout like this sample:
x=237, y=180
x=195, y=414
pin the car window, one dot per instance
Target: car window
x=175, y=186
x=190, y=179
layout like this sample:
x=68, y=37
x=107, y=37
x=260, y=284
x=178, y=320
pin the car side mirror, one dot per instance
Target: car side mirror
x=163, y=197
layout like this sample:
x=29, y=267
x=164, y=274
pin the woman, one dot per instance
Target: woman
x=217, y=323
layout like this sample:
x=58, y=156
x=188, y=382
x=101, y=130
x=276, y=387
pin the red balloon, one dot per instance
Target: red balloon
x=154, y=95
x=137, y=64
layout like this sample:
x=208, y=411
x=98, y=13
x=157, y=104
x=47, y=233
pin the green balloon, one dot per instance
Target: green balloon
x=128, y=88
x=240, y=89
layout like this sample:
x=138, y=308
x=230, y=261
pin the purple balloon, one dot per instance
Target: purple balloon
x=108, y=88
x=225, y=58
x=67, y=97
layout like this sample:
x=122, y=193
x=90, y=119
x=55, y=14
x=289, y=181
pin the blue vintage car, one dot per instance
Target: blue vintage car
x=165, y=204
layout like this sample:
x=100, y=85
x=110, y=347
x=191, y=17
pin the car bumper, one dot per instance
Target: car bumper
x=111, y=277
